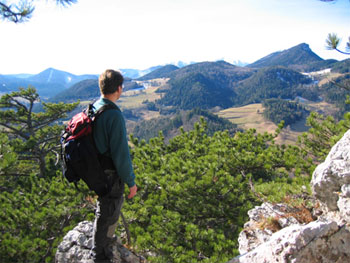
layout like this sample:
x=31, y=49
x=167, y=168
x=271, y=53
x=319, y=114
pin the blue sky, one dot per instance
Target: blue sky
x=90, y=36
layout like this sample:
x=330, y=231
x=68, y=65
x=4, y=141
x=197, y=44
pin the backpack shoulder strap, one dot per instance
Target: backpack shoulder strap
x=96, y=115
x=103, y=109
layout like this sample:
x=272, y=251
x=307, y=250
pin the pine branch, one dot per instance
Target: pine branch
x=39, y=124
x=21, y=105
x=66, y=2
x=15, y=131
x=23, y=12
x=13, y=174
x=343, y=52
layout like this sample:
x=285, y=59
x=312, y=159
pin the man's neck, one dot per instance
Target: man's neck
x=113, y=96
x=110, y=97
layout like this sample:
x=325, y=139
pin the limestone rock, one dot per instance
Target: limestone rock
x=312, y=243
x=325, y=240
x=77, y=244
x=255, y=232
x=333, y=174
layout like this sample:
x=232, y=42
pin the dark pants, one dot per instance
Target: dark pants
x=107, y=214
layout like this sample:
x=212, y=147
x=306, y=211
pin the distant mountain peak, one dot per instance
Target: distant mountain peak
x=299, y=57
x=161, y=72
x=303, y=45
x=48, y=82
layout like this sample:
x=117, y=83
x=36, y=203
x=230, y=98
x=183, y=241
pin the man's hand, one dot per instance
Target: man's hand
x=133, y=190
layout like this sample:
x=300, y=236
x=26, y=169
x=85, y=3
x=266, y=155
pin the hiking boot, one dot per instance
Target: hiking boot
x=102, y=259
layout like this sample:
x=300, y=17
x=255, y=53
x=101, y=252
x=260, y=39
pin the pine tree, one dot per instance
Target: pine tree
x=324, y=132
x=195, y=191
x=36, y=214
x=32, y=135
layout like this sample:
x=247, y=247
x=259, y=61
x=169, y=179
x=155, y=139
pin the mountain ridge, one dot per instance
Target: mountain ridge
x=159, y=72
x=48, y=82
x=299, y=57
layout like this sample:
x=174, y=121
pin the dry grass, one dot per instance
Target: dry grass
x=300, y=212
x=251, y=117
x=322, y=107
x=248, y=117
x=329, y=77
x=133, y=99
x=270, y=223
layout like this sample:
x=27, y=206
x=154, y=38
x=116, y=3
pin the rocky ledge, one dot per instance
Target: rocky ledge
x=76, y=246
x=275, y=233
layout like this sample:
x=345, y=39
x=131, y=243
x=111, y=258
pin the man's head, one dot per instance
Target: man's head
x=110, y=81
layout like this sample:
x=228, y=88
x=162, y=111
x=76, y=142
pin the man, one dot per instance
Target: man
x=111, y=140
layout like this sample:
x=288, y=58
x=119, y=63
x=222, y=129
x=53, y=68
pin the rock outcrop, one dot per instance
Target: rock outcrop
x=276, y=234
x=76, y=246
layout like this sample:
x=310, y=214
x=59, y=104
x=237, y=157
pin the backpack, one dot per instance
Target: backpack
x=80, y=157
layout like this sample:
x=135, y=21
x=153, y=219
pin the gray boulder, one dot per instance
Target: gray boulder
x=76, y=246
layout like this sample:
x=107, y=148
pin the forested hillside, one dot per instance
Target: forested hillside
x=204, y=85
x=161, y=72
x=83, y=90
x=224, y=72
x=274, y=82
x=196, y=90
x=169, y=126
x=336, y=92
x=278, y=110
x=342, y=66
x=88, y=90
x=207, y=91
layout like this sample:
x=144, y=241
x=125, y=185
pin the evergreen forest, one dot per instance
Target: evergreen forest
x=194, y=190
x=278, y=110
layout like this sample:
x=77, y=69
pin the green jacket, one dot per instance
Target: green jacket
x=111, y=139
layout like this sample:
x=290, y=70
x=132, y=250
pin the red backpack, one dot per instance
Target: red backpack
x=80, y=157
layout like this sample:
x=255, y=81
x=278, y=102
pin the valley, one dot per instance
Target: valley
x=245, y=117
x=292, y=83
